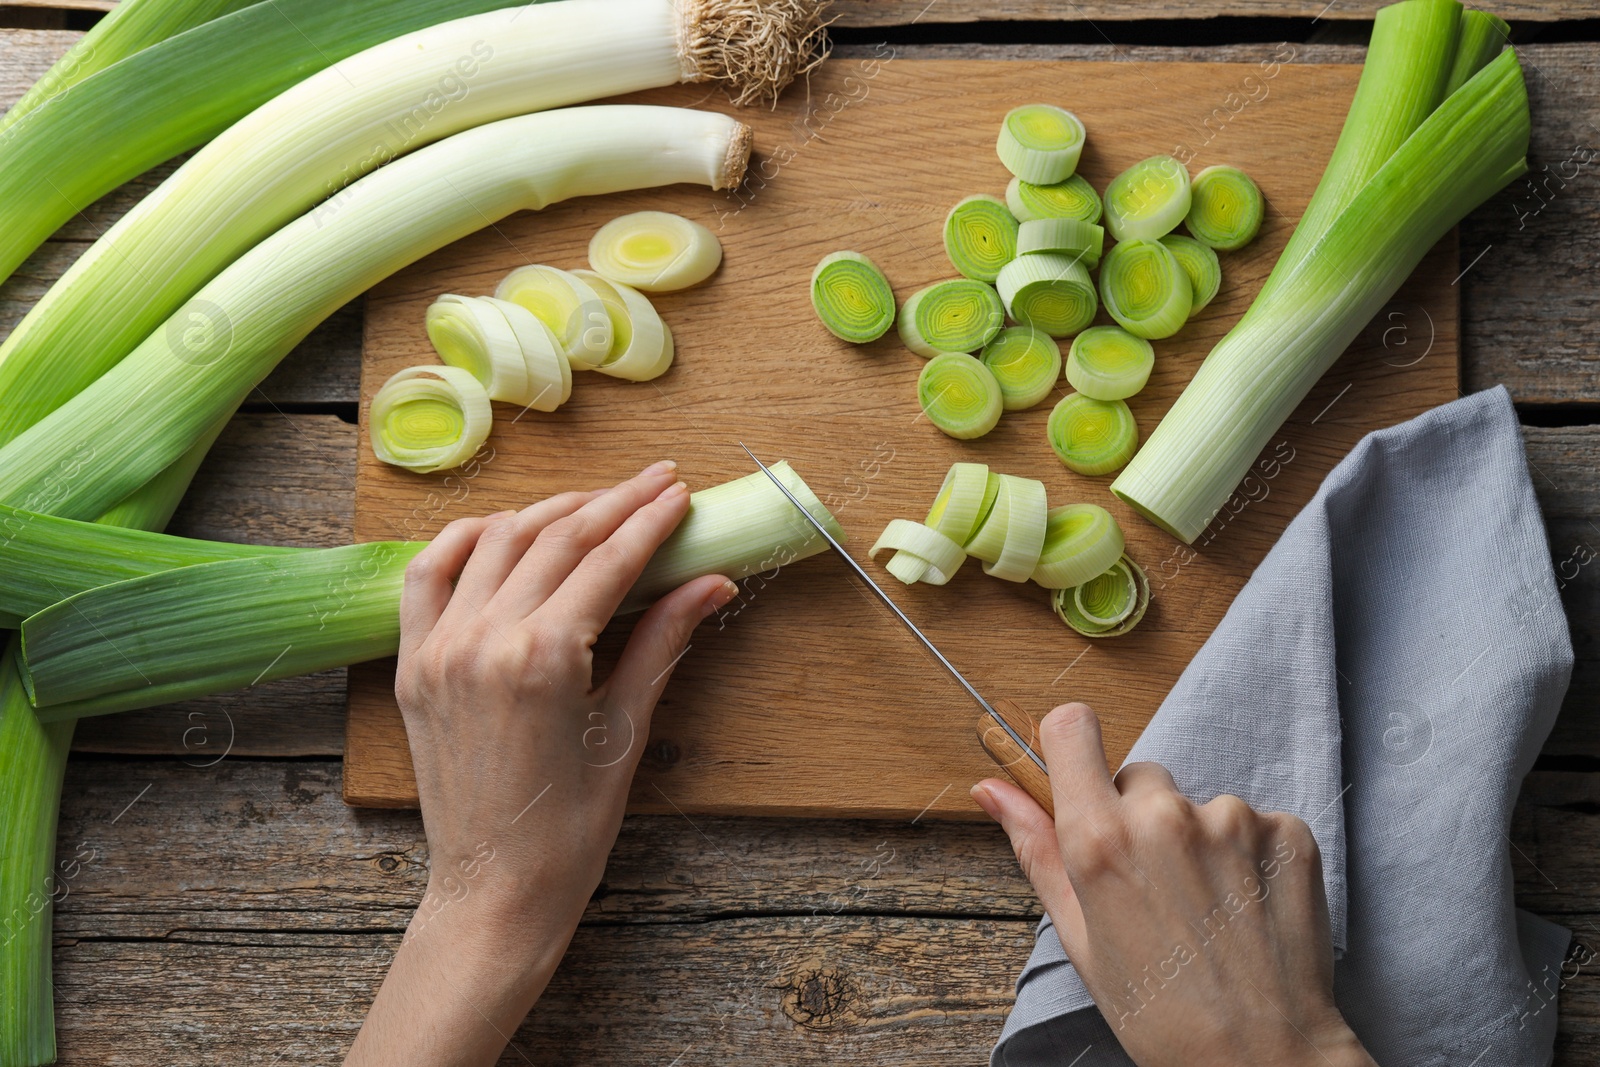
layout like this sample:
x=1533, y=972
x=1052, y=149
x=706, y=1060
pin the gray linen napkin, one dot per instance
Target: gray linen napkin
x=1388, y=674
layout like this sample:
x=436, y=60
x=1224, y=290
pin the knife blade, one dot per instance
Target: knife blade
x=1013, y=748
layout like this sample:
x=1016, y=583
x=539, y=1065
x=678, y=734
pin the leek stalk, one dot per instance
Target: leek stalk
x=145, y=412
x=309, y=143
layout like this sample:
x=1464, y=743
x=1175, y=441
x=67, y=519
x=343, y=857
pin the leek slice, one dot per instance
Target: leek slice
x=1073, y=238
x=1074, y=198
x=208, y=628
x=641, y=343
x=474, y=335
x=961, y=315
x=427, y=419
x=1080, y=541
x=655, y=251
x=1225, y=208
x=568, y=305
x=1147, y=200
x=852, y=297
x=959, y=395
x=1027, y=364
x=1048, y=292
x=1012, y=536
x=1483, y=34
x=980, y=237
x=1107, y=599
x=1040, y=143
x=1106, y=591
x=922, y=554
x=1109, y=363
x=990, y=536
x=1201, y=266
x=1092, y=436
x=962, y=502
x=549, y=372
x=1146, y=289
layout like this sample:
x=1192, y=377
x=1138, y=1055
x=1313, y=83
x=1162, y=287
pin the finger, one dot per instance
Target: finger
x=1033, y=840
x=585, y=602
x=659, y=641
x=430, y=578
x=499, y=550
x=1141, y=778
x=1079, y=779
x=563, y=544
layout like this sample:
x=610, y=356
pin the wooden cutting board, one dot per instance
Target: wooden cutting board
x=806, y=698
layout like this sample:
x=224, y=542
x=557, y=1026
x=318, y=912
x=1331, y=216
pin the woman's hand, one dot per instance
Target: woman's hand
x=1201, y=931
x=523, y=764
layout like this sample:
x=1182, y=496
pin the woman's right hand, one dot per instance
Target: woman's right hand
x=1201, y=931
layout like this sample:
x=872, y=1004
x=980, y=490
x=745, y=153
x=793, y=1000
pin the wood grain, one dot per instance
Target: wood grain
x=867, y=725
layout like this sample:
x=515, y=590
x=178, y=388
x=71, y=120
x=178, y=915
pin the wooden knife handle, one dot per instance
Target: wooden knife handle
x=1011, y=758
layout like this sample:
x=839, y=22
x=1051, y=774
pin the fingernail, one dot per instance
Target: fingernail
x=720, y=598
x=660, y=468
x=986, y=801
x=675, y=489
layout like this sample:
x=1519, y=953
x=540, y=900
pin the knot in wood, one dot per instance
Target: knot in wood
x=818, y=997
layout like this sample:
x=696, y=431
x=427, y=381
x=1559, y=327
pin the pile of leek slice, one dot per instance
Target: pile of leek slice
x=1005, y=522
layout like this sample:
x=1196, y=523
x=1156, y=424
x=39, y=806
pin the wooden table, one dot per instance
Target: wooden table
x=239, y=912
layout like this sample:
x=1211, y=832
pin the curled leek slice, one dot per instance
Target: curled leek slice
x=655, y=251
x=1145, y=289
x=1011, y=538
x=1040, y=143
x=1200, y=263
x=1092, y=436
x=922, y=554
x=472, y=334
x=1073, y=238
x=980, y=237
x=429, y=418
x=959, y=395
x=963, y=501
x=1048, y=292
x=549, y=372
x=1027, y=364
x=641, y=343
x=852, y=297
x=568, y=305
x=961, y=315
x=1147, y=200
x=1074, y=198
x=1080, y=541
x=1109, y=363
x=1105, y=593
x=1225, y=208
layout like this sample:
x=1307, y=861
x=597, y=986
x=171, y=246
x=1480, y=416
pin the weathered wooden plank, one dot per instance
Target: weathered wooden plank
x=27, y=16
x=269, y=910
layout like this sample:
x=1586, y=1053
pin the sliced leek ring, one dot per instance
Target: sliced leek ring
x=1027, y=364
x=1200, y=263
x=549, y=371
x=1074, y=198
x=474, y=335
x=1107, y=599
x=1092, y=437
x=1147, y=200
x=852, y=297
x=1080, y=541
x=641, y=343
x=568, y=305
x=1069, y=605
x=922, y=554
x=1225, y=208
x=989, y=539
x=655, y=251
x=1040, y=143
x=427, y=419
x=1049, y=292
x=1012, y=536
x=980, y=237
x=960, y=315
x=1073, y=238
x=962, y=501
x=959, y=395
x=1109, y=363
x=1146, y=289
